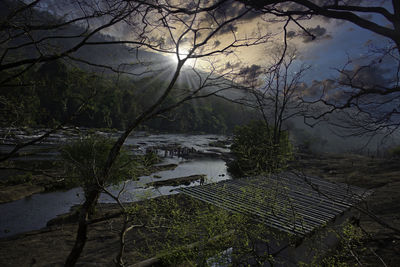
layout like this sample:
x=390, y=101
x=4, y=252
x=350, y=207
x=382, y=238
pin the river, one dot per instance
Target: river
x=34, y=212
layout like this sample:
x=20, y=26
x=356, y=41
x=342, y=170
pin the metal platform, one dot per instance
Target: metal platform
x=289, y=202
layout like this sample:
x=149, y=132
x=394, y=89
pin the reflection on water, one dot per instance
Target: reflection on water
x=33, y=212
x=215, y=169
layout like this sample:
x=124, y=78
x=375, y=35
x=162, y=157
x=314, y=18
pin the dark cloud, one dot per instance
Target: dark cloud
x=229, y=65
x=234, y=8
x=319, y=88
x=291, y=34
x=228, y=28
x=253, y=70
x=348, y=83
x=318, y=33
x=250, y=74
x=369, y=76
x=229, y=10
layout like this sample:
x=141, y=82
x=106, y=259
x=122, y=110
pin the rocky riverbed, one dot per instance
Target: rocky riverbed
x=37, y=170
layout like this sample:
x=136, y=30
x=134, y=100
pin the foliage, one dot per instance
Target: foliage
x=309, y=142
x=256, y=152
x=150, y=159
x=20, y=179
x=85, y=158
x=394, y=152
x=53, y=92
x=19, y=105
x=350, y=238
x=212, y=115
x=180, y=229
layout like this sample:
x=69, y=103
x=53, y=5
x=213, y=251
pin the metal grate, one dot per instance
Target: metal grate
x=289, y=202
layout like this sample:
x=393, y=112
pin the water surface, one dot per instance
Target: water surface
x=34, y=212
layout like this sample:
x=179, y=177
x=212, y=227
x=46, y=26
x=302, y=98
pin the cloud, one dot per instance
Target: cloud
x=216, y=43
x=368, y=76
x=291, y=34
x=319, y=88
x=227, y=10
x=318, y=32
x=250, y=74
x=234, y=8
x=228, y=28
x=231, y=66
x=348, y=82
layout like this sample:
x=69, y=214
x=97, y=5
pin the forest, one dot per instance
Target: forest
x=54, y=91
x=199, y=133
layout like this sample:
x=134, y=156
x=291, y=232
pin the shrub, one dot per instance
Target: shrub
x=394, y=152
x=21, y=179
x=84, y=160
x=256, y=152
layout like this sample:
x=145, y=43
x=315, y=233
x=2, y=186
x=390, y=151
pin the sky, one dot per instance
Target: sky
x=339, y=42
x=336, y=40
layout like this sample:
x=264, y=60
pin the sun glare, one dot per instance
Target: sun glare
x=182, y=54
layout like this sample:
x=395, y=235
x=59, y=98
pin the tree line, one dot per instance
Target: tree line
x=142, y=20
x=52, y=93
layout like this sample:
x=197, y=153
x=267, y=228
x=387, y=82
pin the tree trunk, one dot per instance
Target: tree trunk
x=87, y=207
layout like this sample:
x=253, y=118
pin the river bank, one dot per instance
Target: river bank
x=39, y=164
x=50, y=246
x=36, y=178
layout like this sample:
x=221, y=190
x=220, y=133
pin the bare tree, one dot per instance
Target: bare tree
x=278, y=99
x=183, y=32
x=274, y=91
x=360, y=105
x=39, y=31
x=351, y=11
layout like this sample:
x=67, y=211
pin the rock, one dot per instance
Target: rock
x=186, y=180
x=220, y=143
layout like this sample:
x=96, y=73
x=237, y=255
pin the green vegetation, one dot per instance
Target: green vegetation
x=180, y=230
x=19, y=179
x=394, y=152
x=84, y=160
x=350, y=238
x=256, y=152
x=54, y=93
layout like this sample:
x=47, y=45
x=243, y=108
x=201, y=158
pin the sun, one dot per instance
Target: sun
x=173, y=57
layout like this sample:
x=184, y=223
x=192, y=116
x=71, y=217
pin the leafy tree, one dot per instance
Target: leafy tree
x=85, y=158
x=394, y=152
x=256, y=152
x=19, y=106
x=52, y=91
